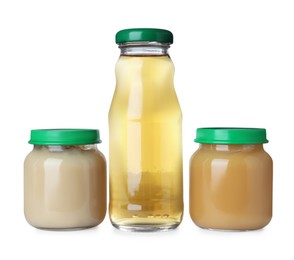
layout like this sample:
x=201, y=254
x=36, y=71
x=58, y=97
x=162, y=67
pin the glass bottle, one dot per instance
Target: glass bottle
x=145, y=135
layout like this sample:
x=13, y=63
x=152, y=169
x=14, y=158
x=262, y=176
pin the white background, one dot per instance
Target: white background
x=234, y=67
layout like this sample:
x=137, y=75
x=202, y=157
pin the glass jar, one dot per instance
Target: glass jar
x=64, y=179
x=231, y=179
x=145, y=131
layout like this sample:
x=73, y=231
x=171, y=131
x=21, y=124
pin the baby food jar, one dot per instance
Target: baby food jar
x=65, y=179
x=231, y=179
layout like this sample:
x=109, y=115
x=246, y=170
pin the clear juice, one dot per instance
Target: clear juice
x=145, y=123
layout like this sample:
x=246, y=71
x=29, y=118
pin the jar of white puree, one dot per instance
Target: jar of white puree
x=64, y=179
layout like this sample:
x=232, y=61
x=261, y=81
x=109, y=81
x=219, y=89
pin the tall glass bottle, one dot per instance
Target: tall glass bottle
x=145, y=132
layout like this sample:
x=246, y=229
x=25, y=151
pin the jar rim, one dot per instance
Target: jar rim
x=230, y=135
x=66, y=136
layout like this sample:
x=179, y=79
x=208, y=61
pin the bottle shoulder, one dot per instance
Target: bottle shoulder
x=144, y=87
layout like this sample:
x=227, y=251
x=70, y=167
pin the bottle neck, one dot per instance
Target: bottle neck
x=144, y=48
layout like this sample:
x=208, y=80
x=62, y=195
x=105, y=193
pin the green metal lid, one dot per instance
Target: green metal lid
x=230, y=135
x=64, y=136
x=143, y=35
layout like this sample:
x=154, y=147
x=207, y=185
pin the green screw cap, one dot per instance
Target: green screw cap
x=64, y=136
x=231, y=135
x=143, y=35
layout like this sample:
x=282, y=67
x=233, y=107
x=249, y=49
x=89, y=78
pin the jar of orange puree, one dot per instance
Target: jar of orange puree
x=231, y=179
